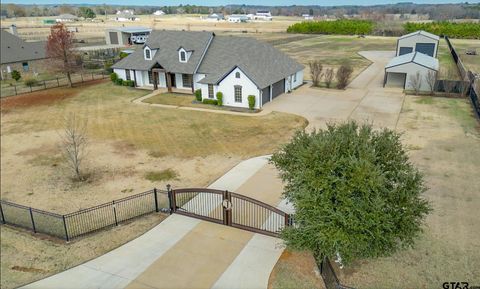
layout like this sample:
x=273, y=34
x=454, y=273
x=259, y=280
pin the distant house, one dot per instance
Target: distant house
x=17, y=54
x=307, y=17
x=237, y=18
x=126, y=17
x=236, y=66
x=66, y=18
x=127, y=35
x=263, y=15
x=215, y=17
x=420, y=41
x=416, y=53
x=158, y=13
x=126, y=11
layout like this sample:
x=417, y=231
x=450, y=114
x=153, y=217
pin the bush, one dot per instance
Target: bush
x=113, y=76
x=355, y=185
x=122, y=55
x=130, y=83
x=450, y=29
x=210, y=101
x=342, y=26
x=30, y=81
x=119, y=81
x=16, y=75
x=343, y=75
x=220, y=98
x=251, y=102
x=198, y=95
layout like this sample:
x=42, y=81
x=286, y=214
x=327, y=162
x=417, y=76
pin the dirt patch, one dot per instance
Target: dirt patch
x=27, y=269
x=44, y=97
x=295, y=269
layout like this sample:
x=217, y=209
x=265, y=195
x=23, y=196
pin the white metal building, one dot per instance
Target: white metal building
x=399, y=70
x=127, y=35
x=419, y=41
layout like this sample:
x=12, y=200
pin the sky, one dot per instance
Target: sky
x=225, y=2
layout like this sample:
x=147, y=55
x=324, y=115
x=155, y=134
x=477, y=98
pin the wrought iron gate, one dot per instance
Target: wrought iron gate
x=228, y=208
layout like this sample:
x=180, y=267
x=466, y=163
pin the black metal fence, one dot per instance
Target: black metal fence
x=85, y=221
x=15, y=89
x=328, y=274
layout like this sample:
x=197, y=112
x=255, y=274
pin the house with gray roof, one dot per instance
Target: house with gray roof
x=236, y=66
x=17, y=54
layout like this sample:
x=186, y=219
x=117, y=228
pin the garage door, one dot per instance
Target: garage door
x=265, y=95
x=278, y=88
x=395, y=79
x=405, y=50
x=113, y=37
x=426, y=48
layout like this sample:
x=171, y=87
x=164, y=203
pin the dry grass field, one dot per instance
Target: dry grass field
x=472, y=62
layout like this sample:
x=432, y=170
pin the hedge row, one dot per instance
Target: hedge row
x=342, y=26
x=450, y=29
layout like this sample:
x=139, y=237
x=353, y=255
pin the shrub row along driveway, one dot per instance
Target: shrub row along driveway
x=365, y=99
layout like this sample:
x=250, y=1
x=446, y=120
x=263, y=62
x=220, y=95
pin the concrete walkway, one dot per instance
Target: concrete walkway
x=140, y=101
x=183, y=252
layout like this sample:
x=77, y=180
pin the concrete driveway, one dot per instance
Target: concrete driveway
x=365, y=99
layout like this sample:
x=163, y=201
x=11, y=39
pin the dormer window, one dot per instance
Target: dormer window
x=148, y=54
x=237, y=74
x=183, y=56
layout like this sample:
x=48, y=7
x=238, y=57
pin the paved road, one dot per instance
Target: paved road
x=365, y=99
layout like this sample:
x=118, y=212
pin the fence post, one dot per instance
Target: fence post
x=115, y=213
x=81, y=76
x=58, y=82
x=156, y=199
x=31, y=88
x=3, y=216
x=33, y=222
x=92, y=76
x=44, y=84
x=65, y=227
x=171, y=199
x=15, y=87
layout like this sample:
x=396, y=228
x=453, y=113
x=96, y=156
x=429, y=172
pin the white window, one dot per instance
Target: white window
x=238, y=93
x=237, y=74
x=295, y=77
x=127, y=74
x=183, y=56
x=147, y=54
x=187, y=80
x=210, y=91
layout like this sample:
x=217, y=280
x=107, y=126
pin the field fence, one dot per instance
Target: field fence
x=16, y=89
x=85, y=221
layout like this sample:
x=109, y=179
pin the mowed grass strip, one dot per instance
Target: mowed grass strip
x=111, y=115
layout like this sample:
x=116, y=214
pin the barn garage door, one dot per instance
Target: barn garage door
x=426, y=48
x=278, y=88
x=395, y=79
x=113, y=37
x=265, y=95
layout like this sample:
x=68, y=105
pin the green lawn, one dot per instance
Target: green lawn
x=448, y=68
x=471, y=62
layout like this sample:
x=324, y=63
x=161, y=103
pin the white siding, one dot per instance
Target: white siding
x=140, y=80
x=299, y=80
x=227, y=87
x=411, y=69
x=120, y=73
x=413, y=40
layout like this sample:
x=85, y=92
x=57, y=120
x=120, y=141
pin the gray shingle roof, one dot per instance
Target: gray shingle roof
x=168, y=43
x=262, y=63
x=15, y=49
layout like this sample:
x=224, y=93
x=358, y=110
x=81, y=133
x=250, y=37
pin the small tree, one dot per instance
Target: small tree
x=415, y=81
x=86, y=12
x=343, y=75
x=251, y=102
x=449, y=82
x=315, y=71
x=60, y=50
x=328, y=77
x=113, y=77
x=354, y=190
x=219, y=98
x=16, y=75
x=198, y=95
x=431, y=79
x=74, y=142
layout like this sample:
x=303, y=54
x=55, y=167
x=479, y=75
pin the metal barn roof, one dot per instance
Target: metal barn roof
x=421, y=32
x=132, y=29
x=414, y=57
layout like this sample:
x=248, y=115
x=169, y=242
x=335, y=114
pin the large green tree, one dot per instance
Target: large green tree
x=355, y=192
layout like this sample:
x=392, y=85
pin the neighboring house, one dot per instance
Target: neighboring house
x=122, y=17
x=128, y=12
x=236, y=66
x=237, y=18
x=420, y=41
x=400, y=70
x=263, y=15
x=158, y=13
x=62, y=18
x=17, y=54
x=215, y=17
x=127, y=35
x=307, y=17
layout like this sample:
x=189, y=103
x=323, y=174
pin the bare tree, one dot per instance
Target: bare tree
x=315, y=71
x=74, y=142
x=328, y=77
x=415, y=82
x=343, y=75
x=449, y=82
x=431, y=79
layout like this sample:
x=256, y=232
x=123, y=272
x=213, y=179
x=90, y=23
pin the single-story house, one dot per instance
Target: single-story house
x=420, y=41
x=66, y=18
x=126, y=17
x=236, y=66
x=263, y=15
x=237, y=18
x=158, y=13
x=216, y=17
x=17, y=54
x=127, y=35
x=400, y=69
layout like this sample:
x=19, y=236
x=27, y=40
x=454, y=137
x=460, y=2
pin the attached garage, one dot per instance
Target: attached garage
x=278, y=88
x=401, y=69
x=419, y=41
x=265, y=95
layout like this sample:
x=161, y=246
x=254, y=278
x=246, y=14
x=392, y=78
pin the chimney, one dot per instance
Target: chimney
x=13, y=29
